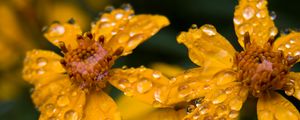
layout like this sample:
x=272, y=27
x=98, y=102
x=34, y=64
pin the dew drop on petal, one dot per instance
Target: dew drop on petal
x=273, y=15
x=233, y=114
x=290, y=92
x=144, y=86
x=224, y=77
x=287, y=46
x=62, y=101
x=57, y=30
x=184, y=91
x=273, y=31
x=194, y=26
x=156, y=104
x=190, y=109
x=41, y=61
x=71, y=115
x=40, y=71
x=245, y=28
x=50, y=108
x=261, y=14
x=128, y=92
x=238, y=20
x=248, y=13
x=261, y=4
x=123, y=83
x=221, y=98
x=156, y=75
x=236, y=104
x=119, y=16
x=52, y=118
x=209, y=30
x=296, y=53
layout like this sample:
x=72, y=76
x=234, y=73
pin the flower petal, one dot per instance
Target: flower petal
x=207, y=47
x=141, y=83
x=289, y=44
x=296, y=78
x=100, y=106
x=164, y=114
x=223, y=102
x=275, y=107
x=122, y=29
x=64, y=32
x=40, y=65
x=253, y=17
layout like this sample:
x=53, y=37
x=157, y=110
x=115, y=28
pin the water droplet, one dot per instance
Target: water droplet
x=248, y=13
x=292, y=41
x=194, y=26
x=184, y=91
x=221, y=110
x=52, y=118
x=245, y=28
x=238, y=20
x=261, y=3
x=198, y=101
x=119, y=16
x=209, y=30
x=41, y=61
x=57, y=30
x=221, y=98
x=50, y=108
x=203, y=109
x=261, y=14
x=126, y=6
x=157, y=104
x=290, y=92
x=296, y=53
x=228, y=90
x=40, y=71
x=144, y=85
x=196, y=116
x=287, y=46
x=109, y=9
x=156, y=75
x=233, y=114
x=128, y=92
x=190, y=109
x=273, y=15
x=273, y=31
x=236, y=104
x=71, y=115
x=123, y=83
x=63, y=101
x=224, y=77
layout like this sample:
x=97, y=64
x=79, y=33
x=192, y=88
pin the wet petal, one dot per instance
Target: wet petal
x=295, y=77
x=289, y=44
x=223, y=102
x=275, y=107
x=141, y=83
x=100, y=106
x=121, y=28
x=253, y=17
x=41, y=65
x=137, y=30
x=59, y=100
x=64, y=32
x=207, y=47
x=164, y=114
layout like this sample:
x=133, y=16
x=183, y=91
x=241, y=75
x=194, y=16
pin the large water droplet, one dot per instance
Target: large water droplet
x=194, y=26
x=63, y=101
x=224, y=77
x=41, y=61
x=71, y=115
x=119, y=16
x=57, y=30
x=245, y=28
x=209, y=30
x=236, y=104
x=221, y=98
x=238, y=20
x=248, y=13
x=144, y=85
x=233, y=114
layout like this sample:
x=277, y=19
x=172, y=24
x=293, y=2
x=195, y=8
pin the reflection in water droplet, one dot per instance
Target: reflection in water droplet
x=273, y=31
x=273, y=15
x=63, y=101
x=287, y=46
x=156, y=75
x=41, y=61
x=119, y=16
x=194, y=26
x=40, y=71
x=233, y=114
x=123, y=83
x=261, y=4
x=71, y=115
x=57, y=30
x=261, y=14
x=144, y=86
x=128, y=92
x=248, y=13
x=209, y=30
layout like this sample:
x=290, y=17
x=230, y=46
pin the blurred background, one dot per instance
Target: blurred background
x=22, y=21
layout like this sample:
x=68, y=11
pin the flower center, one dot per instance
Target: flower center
x=88, y=64
x=263, y=69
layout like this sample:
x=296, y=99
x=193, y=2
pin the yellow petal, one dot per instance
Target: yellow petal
x=296, y=78
x=273, y=106
x=253, y=17
x=223, y=102
x=100, y=106
x=123, y=29
x=141, y=83
x=207, y=47
x=132, y=108
x=164, y=114
x=41, y=64
x=167, y=69
x=64, y=32
x=289, y=44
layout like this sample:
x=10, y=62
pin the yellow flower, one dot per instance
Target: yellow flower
x=218, y=89
x=71, y=87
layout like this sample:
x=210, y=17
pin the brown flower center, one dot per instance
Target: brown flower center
x=88, y=64
x=263, y=69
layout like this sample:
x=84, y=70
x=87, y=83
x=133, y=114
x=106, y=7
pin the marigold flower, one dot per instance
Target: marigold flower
x=218, y=89
x=71, y=87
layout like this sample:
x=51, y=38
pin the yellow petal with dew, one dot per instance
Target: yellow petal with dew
x=164, y=114
x=273, y=106
x=63, y=32
x=253, y=17
x=167, y=69
x=207, y=47
x=223, y=102
x=295, y=78
x=289, y=44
